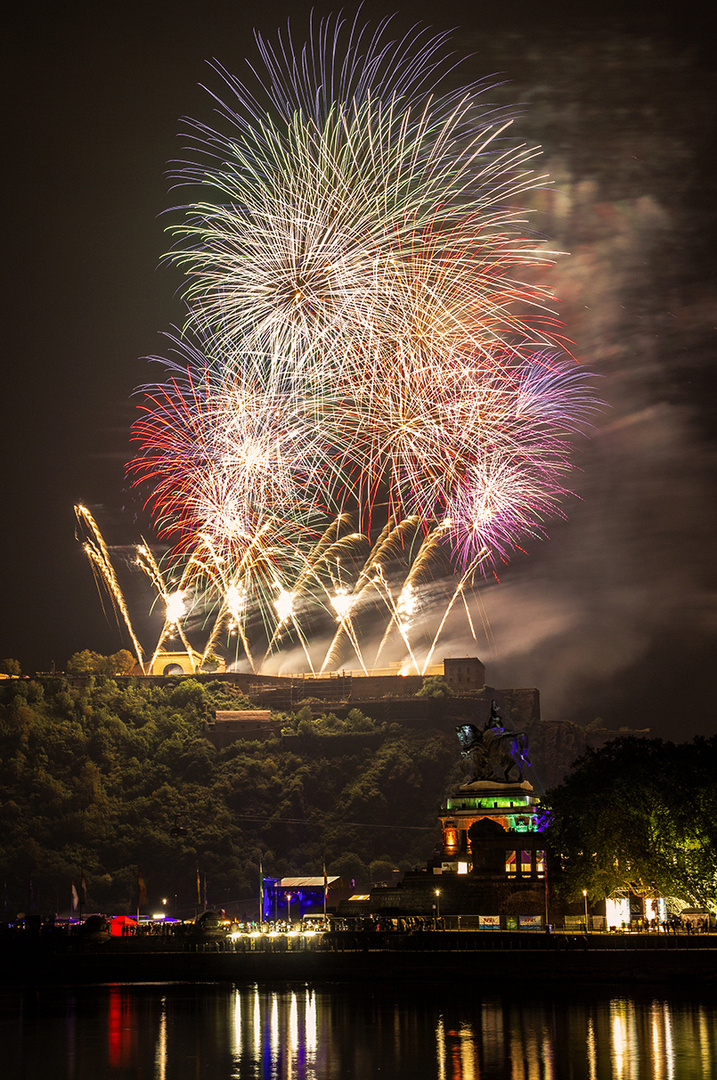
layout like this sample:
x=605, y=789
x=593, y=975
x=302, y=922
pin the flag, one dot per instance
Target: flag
x=326, y=883
x=199, y=887
x=75, y=897
x=141, y=889
x=83, y=888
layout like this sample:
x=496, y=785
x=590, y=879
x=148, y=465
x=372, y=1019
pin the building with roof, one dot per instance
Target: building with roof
x=289, y=898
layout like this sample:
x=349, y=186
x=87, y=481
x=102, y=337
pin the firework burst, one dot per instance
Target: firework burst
x=364, y=337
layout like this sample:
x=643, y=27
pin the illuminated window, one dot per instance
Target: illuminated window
x=540, y=863
x=525, y=862
x=511, y=865
x=451, y=839
x=617, y=910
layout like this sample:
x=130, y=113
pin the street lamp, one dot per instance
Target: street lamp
x=438, y=903
x=585, y=900
x=288, y=900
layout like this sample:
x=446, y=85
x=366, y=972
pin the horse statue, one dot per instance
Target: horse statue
x=494, y=751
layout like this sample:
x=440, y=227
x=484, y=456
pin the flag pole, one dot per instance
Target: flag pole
x=141, y=893
x=326, y=889
x=261, y=892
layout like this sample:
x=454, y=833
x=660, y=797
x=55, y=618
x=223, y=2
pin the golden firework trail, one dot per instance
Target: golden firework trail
x=339, y=594
x=99, y=556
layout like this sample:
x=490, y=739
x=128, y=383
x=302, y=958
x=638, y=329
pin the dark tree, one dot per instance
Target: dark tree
x=638, y=814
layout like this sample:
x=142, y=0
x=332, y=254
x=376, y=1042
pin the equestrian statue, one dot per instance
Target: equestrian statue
x=495, y=752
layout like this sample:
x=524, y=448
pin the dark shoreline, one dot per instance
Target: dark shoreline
x=370, y=957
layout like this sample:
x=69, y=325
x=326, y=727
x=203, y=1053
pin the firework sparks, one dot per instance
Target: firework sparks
x=176, y=607
x=99, y=556
x=365, y=339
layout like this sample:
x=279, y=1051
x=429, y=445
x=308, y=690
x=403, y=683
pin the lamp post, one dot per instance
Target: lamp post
x=288, y=900
x=585, y=900
x=438, y=903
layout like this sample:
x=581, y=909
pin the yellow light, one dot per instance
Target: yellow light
x=176, y=607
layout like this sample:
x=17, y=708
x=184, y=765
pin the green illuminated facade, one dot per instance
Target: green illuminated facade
x=492, y=842
x=516, y=813
x=506, y=810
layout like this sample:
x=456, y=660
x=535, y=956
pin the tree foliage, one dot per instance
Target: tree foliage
x=639, y=814
x=113, y=777
x=435, y=686
x=87, y=662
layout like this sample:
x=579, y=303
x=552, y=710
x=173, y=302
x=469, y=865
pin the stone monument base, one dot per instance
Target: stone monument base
x=494, y=787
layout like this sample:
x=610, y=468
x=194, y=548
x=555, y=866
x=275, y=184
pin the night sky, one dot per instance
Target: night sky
x=613, y=616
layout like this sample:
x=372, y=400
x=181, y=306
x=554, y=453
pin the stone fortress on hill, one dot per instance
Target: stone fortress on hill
x=390, y=697
x=385, y=697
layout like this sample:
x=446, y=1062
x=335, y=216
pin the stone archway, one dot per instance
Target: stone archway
x=173, y=662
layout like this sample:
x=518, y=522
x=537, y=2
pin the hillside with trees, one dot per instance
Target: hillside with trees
x=116, y=777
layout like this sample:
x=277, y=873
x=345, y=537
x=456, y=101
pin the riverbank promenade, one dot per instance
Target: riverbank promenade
x=378, y=956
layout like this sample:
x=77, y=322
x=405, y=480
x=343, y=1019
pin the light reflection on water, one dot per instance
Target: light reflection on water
x=322, y=1033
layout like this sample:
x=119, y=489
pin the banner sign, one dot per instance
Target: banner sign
x=530, y=922
x=489, y=922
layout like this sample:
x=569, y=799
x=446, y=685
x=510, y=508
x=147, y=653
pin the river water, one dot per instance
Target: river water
x=183, y=1032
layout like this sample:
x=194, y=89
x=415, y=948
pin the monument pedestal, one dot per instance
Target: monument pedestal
x=510, y=806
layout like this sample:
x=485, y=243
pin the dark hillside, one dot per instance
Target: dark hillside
x=120, y=779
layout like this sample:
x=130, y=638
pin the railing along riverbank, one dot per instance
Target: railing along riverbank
x=349, y=956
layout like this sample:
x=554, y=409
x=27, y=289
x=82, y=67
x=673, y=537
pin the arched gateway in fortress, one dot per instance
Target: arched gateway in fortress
x=179, y=663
